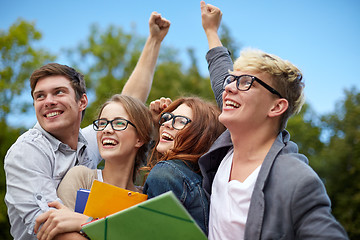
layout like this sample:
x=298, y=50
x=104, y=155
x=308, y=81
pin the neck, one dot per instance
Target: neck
x=252, y=145
x=120, y=173
x=71, y=138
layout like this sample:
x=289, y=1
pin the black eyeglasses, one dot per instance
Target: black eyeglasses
x=244, y=83
x=118, y=124
x=178, y=122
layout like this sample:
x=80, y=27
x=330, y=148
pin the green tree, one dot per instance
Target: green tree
x=339, y=161
x=19, y=58
x=229, y=42
x=305, y=131
x=108, y=58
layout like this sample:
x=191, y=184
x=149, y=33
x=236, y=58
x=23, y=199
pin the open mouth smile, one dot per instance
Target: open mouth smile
x=53, y=114
x=167, y=137
x=231, y=104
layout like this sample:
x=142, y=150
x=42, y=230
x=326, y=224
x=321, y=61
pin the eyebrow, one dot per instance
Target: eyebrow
x=53, y=89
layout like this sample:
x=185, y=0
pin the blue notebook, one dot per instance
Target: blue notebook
x=81, y=199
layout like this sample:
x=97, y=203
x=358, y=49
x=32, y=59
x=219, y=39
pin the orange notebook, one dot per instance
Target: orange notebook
x=105, y=199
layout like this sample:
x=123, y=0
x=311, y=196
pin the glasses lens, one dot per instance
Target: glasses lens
x=100, y=124
x=119, y=124
x=228, y=79
x=180, y=122
x=244, y=82
x=164, y=118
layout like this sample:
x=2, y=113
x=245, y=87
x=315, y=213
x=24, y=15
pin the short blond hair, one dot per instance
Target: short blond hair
x=286, y=78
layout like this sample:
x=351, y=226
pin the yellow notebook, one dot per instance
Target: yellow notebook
x=105, y=199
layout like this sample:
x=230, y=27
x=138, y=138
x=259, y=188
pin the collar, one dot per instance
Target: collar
x=55, y=143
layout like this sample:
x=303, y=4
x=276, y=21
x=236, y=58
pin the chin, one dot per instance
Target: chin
x=162, y=148
x=227, y=121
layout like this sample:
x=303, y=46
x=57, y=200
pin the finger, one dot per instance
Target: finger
x=40, y=219
x=164, y=103
x=57, y=205
x=202, y=6
x=168, y=102
x=154, y=106
x=165, y=23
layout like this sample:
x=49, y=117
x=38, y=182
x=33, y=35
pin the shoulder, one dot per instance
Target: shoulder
x=81, y=171
x=31, y=144
x=173, y=173
x=174, y=168
x=78, y=176
x=292, y=179
x=31, y=137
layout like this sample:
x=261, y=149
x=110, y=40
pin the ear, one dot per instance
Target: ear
x=279, y=107
x=139, y=143
x=83, y=102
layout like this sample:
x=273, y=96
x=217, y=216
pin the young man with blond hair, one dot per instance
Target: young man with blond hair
x=260, y=187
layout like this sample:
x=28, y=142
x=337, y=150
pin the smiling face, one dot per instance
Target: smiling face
x=247, y=109
x=56, y=108
x=167, y=131
x=117, y=144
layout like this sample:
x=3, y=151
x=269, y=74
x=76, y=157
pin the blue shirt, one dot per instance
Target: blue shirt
x=179, y=177
x=34, y=166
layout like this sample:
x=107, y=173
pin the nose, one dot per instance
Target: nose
x=168, y=123
x=50, y=100
x=231, y=87
x=108, y=128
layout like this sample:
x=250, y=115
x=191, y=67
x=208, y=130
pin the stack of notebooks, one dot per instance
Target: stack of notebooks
x=123, y=214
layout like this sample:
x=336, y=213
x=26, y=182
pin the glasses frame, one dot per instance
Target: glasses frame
x=173, y=117
x=111, y=124
x=253, y=78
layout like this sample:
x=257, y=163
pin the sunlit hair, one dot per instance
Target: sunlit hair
x=54, y=69
x=196, y=138
x=286, y=78
x=140, y=116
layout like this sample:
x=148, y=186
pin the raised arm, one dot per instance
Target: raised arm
x=218, y=57
x=140, y=81
x=211, y=18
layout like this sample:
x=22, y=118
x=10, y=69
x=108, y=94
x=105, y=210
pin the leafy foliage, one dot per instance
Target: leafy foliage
x=18, y=59
x=340, y=165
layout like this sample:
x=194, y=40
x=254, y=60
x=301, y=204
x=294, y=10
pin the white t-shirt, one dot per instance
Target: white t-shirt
x=99, y=175
x=230, y=201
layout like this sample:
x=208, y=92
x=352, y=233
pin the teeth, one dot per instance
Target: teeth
x=167, y=136
x=108, y=141
x=52, y=114
x=231, y=104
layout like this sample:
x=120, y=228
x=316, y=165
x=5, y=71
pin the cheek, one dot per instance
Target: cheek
x=98, y=137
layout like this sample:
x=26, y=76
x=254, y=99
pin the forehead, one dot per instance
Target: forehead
x=52, y=82
x=183, y=110
x=260, y=75
x=114, y=110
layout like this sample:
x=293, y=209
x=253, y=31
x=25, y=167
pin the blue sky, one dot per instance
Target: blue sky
x=321, y=37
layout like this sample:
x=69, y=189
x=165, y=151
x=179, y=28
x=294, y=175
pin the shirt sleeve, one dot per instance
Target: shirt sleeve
x=92, y=147
x=219, y=64
x=30, y=183
x=312, y=211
